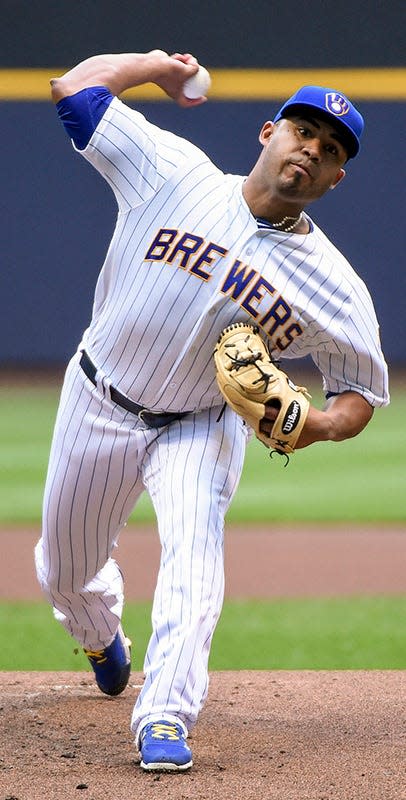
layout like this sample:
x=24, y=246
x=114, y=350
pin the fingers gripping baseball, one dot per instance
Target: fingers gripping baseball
x=252, y=384
x=185, y=80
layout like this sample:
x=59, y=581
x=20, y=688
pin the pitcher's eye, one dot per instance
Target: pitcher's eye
x=304, y=131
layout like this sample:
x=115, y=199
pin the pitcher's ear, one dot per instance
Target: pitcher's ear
x=266, y=131
x=339, y=177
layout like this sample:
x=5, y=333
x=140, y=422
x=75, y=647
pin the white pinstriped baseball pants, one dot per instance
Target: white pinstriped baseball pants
x=102, y=458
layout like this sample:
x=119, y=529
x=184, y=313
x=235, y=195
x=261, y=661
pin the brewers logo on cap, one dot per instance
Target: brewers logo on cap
x=337, y=104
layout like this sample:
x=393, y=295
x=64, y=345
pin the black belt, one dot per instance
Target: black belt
x=153, y=419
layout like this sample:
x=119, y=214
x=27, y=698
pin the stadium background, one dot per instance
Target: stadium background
x=57, y=213
x=332, y=733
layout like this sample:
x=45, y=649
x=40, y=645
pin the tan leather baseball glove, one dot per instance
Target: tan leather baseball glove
x=249, y=380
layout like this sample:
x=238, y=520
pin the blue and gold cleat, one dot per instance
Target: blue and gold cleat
x=112, y=666
x=163, y=747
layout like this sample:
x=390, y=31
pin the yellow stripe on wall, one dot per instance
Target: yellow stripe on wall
x=235, y=84
x=359, y=84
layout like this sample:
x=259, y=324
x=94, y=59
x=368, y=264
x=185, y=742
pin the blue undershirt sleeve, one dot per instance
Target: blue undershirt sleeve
x=81, y=113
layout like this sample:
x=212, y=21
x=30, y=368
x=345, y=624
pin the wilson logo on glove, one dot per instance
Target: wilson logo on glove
x=292, y=417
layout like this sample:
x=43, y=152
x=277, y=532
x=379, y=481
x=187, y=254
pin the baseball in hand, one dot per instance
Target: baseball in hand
x=197, y=85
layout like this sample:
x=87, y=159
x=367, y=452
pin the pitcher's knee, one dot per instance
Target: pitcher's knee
x=52, y=580
x=40, y=565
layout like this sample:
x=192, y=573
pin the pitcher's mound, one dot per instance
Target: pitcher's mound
x=261, y=736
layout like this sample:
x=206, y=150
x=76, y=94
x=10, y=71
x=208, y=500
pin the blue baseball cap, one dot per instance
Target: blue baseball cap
x=332, y=106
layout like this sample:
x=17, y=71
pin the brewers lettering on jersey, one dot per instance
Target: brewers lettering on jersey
x=194, y=250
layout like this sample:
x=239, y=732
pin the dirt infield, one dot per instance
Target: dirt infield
x=261, y=562
x=274, y=735
x=277, y=736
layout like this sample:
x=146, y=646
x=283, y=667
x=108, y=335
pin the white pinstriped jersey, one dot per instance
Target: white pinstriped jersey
x=188, y=258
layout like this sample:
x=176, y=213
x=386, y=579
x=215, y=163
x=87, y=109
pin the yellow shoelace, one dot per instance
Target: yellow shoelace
x=97, y=655
x=165, y=730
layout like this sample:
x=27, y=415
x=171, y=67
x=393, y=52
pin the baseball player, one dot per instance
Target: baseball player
x=194, y=251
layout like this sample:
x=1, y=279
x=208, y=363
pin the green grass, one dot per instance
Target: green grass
x=361, y=480
x=333, y=633
x=326, y=633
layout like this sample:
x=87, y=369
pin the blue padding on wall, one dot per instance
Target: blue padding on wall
x=57, y=217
